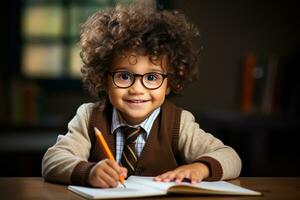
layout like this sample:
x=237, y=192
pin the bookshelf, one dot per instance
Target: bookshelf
x=270, y=85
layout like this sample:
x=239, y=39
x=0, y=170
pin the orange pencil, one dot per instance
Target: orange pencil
x=106, y=149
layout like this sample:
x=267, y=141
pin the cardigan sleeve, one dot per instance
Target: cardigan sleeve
x=196, y=145
x=70, y=151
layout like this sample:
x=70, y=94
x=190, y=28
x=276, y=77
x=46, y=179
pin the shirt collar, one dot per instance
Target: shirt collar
x=118, y=121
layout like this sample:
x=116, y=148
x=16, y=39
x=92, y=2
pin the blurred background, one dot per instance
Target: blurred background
x=248, y=92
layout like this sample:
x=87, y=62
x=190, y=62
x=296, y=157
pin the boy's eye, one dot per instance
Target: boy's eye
x=124, y=76
x=152, y=77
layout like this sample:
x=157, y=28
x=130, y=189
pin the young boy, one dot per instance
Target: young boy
x=133, y=58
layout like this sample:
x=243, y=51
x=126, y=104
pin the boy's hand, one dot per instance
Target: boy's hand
x=196, y=172
x=106, y=174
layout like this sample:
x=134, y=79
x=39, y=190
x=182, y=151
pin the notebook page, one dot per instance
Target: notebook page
x=132, y=190
x=221, y=187
x=225, y=187
x=148, y=181
x=215, y=187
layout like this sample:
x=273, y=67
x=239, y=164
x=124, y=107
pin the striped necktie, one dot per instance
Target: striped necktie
x=129, y=155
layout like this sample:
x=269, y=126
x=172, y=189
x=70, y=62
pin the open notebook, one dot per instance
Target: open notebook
x=139, y=186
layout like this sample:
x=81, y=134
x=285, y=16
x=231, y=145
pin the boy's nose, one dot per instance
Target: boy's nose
x=137, y=86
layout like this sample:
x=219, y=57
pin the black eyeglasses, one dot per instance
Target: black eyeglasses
x=125, y=79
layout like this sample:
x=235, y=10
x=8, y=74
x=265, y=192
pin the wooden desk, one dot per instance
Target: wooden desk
x=281, y=188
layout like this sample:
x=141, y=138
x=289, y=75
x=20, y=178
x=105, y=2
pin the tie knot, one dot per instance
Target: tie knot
x=131, y=133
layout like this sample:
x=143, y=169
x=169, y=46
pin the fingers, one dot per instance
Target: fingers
x=106, y=181
x=105, y=174
x=196, y=177
x=179, y=176
x=114, y=166
x=124, y=172
x=195, y=172
x=170, y=176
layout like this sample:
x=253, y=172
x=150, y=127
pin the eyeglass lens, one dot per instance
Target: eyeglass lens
x=125, y=79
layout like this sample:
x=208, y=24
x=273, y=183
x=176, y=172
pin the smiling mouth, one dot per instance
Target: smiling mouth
x=137, y=101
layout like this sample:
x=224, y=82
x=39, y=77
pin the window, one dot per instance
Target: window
x=50, y=35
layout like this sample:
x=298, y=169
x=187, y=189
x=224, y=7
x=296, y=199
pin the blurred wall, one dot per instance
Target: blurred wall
x=230, y=29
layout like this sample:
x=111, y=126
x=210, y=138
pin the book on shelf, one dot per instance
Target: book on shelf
x=140, y=186
x=261, y=84
x=247, y=83
x=269, y=90
x=25, y=102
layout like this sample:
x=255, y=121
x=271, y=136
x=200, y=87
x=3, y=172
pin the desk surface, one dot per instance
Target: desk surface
x=35, y=188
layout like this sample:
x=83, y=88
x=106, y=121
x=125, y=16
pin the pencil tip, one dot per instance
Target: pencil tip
x=96, y=129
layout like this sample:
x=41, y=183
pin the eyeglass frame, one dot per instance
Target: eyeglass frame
x=164, y=76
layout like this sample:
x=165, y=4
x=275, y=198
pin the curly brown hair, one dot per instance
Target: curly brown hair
x=154, y=33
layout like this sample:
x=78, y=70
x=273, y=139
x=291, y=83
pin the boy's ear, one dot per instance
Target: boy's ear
x=168, y=90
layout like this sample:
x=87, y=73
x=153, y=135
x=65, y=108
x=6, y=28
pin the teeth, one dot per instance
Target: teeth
x=137, y=101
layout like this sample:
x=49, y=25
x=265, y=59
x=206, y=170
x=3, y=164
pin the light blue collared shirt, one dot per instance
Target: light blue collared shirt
x=146, y=125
